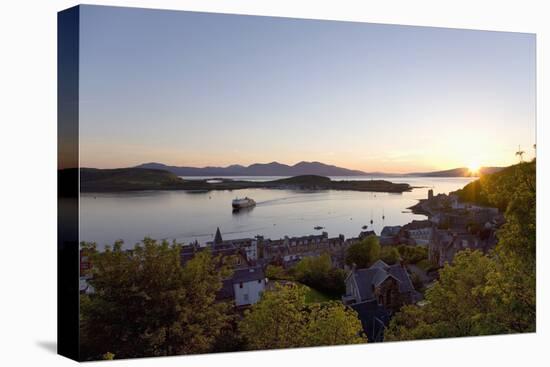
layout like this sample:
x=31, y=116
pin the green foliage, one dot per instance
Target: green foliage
x=412, y=254
x=390, y=255
x=274, y=272
x=332, y=323
x=311, y=269
x=282, y=319
x=478, y=294
x=318, y=273
x=494, y=189
x=108, y=356
x=455, y=306
x=276, y=321
x=513, y=284
x=473, y=193
x=363, y=253
x=147, y=304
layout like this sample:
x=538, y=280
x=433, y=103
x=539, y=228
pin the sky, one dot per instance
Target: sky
x=203, y=89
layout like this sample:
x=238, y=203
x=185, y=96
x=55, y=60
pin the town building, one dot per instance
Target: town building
x=290, y=250
x=390, y=236
x=417, y=232
x=248, y=285
x=376, y=293
x=446, y=243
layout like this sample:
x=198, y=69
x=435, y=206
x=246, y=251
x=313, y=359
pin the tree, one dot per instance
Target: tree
x=283, y=320
x=318, y=273
x=333, y=323
x=389, y=255
x=275, y=272
x=277, y=320
x=363, y=253
x=146, y=304
x=412, y=254
x=513, y=283
x=457, y=305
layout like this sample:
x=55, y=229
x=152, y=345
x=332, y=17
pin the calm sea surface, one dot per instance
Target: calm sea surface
x=186, y=216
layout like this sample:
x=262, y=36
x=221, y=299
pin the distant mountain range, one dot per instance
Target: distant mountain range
x=259, y=169
x=301, y=168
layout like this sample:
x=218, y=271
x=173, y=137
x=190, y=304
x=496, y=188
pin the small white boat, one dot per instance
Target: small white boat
x=243, y=203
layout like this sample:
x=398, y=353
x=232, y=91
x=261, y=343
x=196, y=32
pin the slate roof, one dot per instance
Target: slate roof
x=388, y=231
x=374, y=319
x=417, y=224
x=364, y=280
x=400, y=273
x=371, y=277
x=248, y=274
x=365, y=234
x=379, y=264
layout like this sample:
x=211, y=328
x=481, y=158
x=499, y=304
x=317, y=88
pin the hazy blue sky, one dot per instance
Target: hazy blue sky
x=202, y=89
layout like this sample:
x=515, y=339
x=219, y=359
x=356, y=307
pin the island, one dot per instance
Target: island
x=135, y=179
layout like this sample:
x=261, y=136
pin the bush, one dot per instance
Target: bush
x=389, y=255
x=412, y=254
x=275, y=272
x=318, y=273
x=363, y=254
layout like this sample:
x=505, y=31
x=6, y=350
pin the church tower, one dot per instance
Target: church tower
x=218, y=237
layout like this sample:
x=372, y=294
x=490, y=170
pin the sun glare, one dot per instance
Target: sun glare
x=474, y=167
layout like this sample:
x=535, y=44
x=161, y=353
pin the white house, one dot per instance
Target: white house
x=248, y=285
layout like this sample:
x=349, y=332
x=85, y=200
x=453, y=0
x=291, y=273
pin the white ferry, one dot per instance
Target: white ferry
x=243, y=203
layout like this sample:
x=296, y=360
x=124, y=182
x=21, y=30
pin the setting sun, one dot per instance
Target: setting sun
x=474, y=167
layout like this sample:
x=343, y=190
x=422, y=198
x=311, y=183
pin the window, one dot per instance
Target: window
x=240, y=284
x=259, y=281
x=245, y=297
